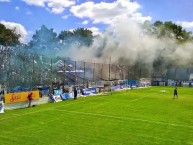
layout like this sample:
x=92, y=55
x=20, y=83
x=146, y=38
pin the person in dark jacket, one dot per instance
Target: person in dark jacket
x=175, y=93
x=75, y=93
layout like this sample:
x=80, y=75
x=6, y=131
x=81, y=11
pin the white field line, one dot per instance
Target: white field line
x=19, y=115
x=142, y=97
x=159, y=138
x=132, y=99
x=126, y=118
x=75, y=102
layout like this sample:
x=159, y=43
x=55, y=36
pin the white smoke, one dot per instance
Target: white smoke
x=125, y=39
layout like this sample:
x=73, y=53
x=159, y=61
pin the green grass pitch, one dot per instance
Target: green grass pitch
x=135, y=117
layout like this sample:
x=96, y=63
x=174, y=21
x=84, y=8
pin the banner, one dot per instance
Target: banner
x=89, y=91
x=132, y=83
x=1, y=107
x=20, y=97
x=117, y=87
x=55, y=98
x=67, y=96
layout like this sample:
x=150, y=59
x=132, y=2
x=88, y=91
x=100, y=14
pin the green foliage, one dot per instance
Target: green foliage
x=44, y=37
x=80, y=36
x=140, y=117
x=8, y=37
x=167, y=29
x=65, y=35
x=47, y=39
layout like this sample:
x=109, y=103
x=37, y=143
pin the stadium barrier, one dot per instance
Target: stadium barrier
x=11, y=106
x=1, y=107
x=20, y=97
x=66, y=96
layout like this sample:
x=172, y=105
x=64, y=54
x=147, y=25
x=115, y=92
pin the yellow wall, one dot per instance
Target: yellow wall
x=20, y=97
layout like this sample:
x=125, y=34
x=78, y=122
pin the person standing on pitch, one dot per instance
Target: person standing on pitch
x=30, y=98
x=175, y=93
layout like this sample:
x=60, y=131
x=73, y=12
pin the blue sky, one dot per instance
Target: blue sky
x=28, y=15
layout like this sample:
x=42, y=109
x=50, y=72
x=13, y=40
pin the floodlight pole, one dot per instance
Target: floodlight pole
x=110, y=74
x=84, y=75
x=9, y=74
x=93, y=70
x=102, y=71
x=75, y=73
x=110, y=68
x=64, y=72
x=32, y=74
x=51, y=69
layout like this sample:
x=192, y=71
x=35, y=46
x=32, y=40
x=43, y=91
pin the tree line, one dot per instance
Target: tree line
x=167, y=29
x=45, y=37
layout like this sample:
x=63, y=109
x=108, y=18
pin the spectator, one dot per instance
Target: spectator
x=75, y=93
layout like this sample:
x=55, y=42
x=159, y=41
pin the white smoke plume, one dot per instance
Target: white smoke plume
x=126, y=40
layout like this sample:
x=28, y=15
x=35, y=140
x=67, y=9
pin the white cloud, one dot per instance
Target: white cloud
x=40, y=3
x=107, y=13
x=65, y=16
x=185, y=24
x=58, y=6
x=17, y=8
x=85, y=22
x=4, y=0
x=54, y=6
x=139, y=17
x=95, y=31
x=19, y=29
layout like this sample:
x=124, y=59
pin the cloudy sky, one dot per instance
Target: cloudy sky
x=28, y=15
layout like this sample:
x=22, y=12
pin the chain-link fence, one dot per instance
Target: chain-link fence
x=29, y=71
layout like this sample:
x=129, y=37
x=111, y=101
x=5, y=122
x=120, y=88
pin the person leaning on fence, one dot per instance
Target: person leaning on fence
x=30, y=98
x=175, y=93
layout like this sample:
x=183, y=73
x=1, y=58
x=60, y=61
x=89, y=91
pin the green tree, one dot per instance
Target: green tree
x=171, y=30
x=84, y=36
x=64, y=35
x=8, y=37
x=167, y=29
x=44, y=38
x=78, y=36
